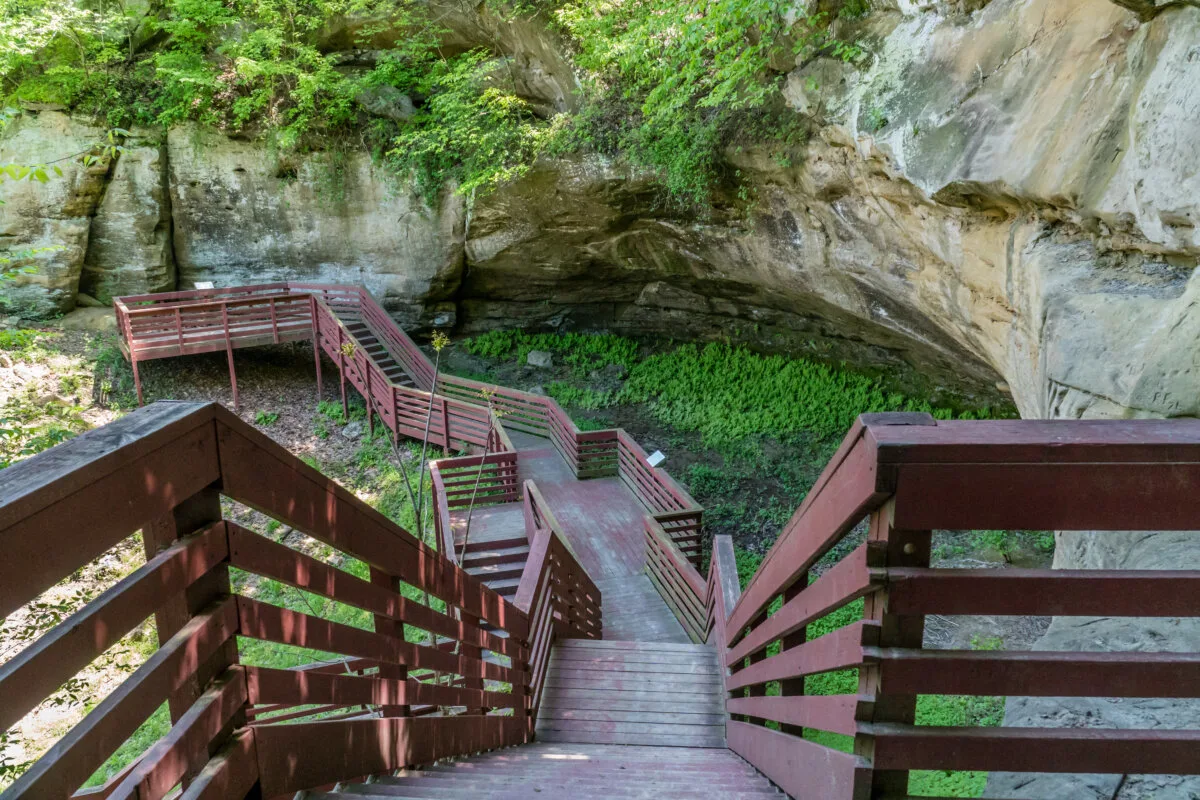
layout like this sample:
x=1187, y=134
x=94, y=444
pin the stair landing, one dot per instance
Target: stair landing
x=575, y=771
x=633, y=693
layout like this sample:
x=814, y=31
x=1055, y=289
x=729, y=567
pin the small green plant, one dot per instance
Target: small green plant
x=18, y=340
x=875, y=119
x=266, y=418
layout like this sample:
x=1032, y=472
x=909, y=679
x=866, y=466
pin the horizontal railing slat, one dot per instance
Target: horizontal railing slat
x=257, y=554
x=186, y=744
x=71, y=760
x=1030, y=592
x=274, y=624
x=1083, y=750
x=846, y=581
x=59, y=654
x=1038, y=673
x=840, y=649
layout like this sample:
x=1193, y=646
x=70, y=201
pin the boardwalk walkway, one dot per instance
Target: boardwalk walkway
x=595, y=490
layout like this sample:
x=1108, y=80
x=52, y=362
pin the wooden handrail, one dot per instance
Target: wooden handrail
x=167, y=464
x=893, y=469
x=907, y=474
x=560, y=599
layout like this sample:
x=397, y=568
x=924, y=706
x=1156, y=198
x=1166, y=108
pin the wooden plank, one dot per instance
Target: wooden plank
x=230, y=774
x=1057, y=592
x=66, y=765
x=57, y=655
x=263, y=475
x=799, y=767
x=294, y=687
x=843, y=583
x=1090, y=750
x=1038, y=673
x=714, y=740
x=1029, y=441
x=667, y=659
x=610, y=644
x=708, y=668
x=273, y=624
x=555, y=701
x=1118, y=496
x=167, y=761
x=45, y=500
x=257, y=554
x=836, y=713
x=371, y=746
x=841, y=649
x=683, y=716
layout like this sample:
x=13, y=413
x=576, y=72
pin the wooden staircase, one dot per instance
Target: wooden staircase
x=374, y=347
x=572, y=770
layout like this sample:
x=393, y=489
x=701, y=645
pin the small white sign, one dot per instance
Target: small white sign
x=204, y=285
x=656, y=458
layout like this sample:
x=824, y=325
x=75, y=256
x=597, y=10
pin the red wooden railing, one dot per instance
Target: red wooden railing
x=562, y=600
x=178, y=323
x=164, y=469
x=473, y=481
x=670, y=505
x=907, y=476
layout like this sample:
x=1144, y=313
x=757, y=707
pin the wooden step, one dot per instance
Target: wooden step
x=494, y=572
x=505, y=587
x=549, y=770
x=495, y=555
x=633, y=693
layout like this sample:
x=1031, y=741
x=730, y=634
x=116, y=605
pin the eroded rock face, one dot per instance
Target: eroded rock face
x=46, y=225
x=241, y=216
x=129, y=245
x=1006, y=203
x=1007, y=197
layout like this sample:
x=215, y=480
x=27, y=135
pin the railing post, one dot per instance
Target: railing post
x=903, y=548
x=229, y=354
x=316, y=334
x=394, y=628
x=793, y=686
x=473, y=651
x=370, y=406
x=445, y=422
x=193, y=514
x=342, y=373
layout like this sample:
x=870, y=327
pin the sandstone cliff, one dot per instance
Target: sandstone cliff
x=1007, y=196
x=1006, y=201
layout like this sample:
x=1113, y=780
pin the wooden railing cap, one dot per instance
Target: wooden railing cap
x=36, y=482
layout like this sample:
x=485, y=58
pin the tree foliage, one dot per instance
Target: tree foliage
x=669, y=84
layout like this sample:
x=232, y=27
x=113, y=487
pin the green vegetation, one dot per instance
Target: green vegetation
x=583, y=352
x=1006, y=544
x=18, y=341
x=674, y=83
x=31, y=421
x=670, y=85
x=266, y=418
x=727, y=394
